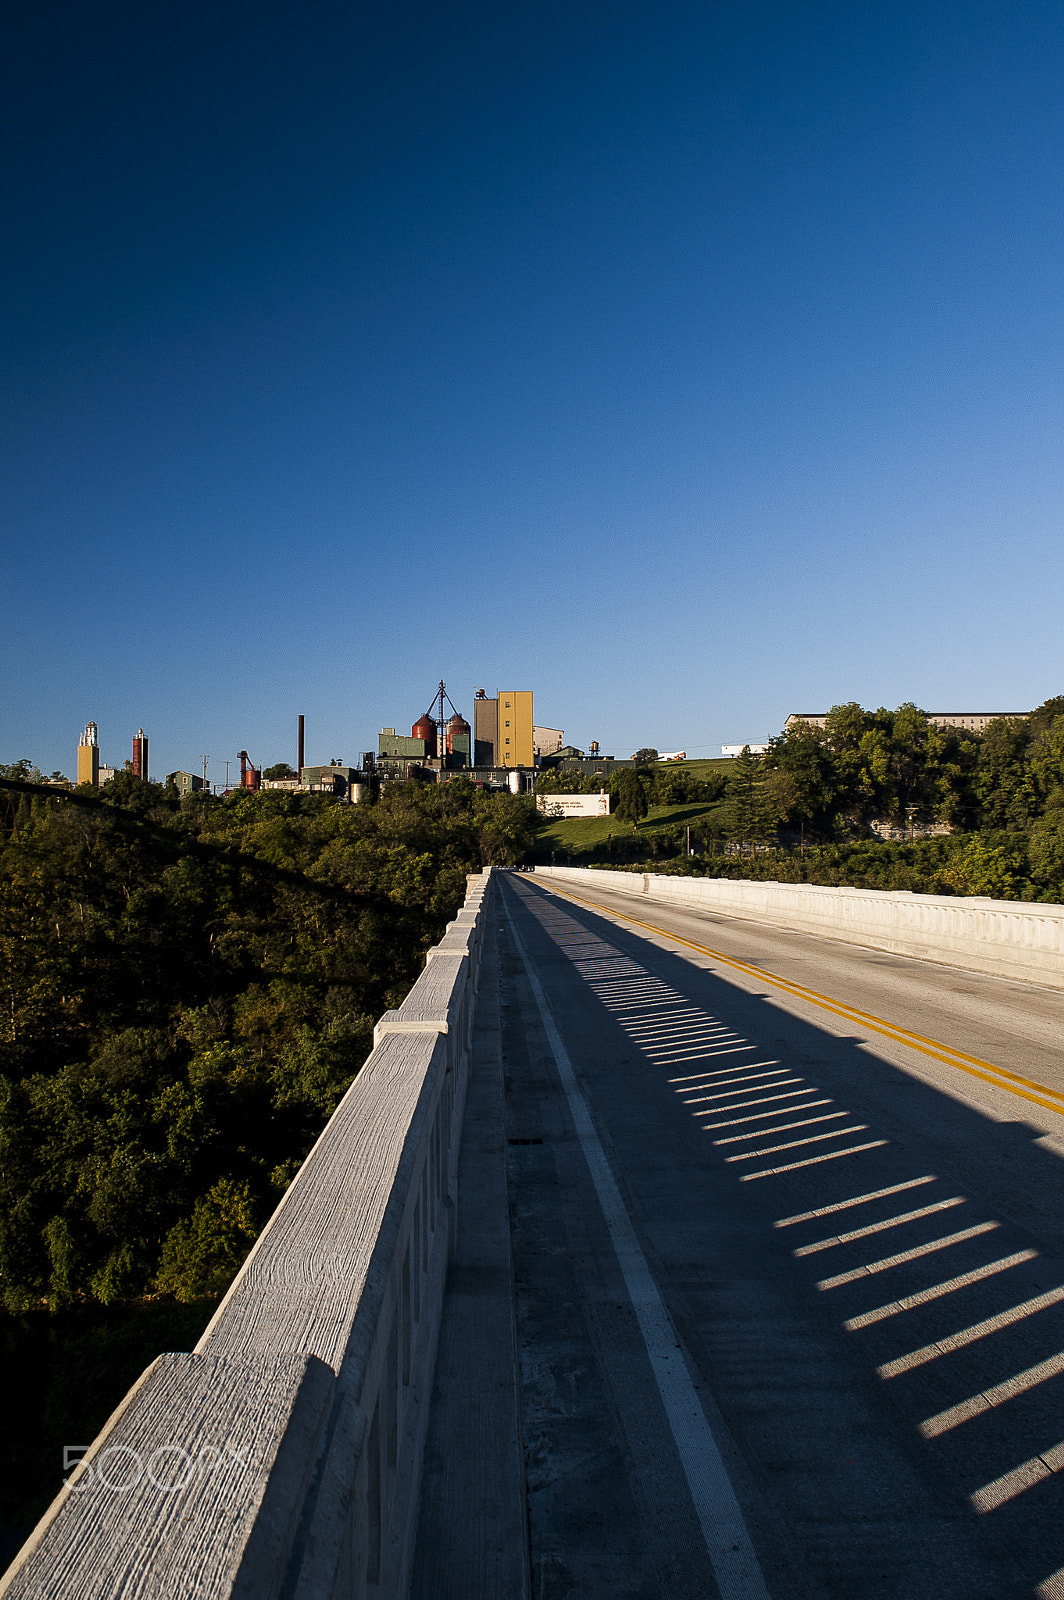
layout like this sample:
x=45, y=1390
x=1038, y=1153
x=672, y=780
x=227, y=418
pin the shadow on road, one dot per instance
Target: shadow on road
x=846, y=1247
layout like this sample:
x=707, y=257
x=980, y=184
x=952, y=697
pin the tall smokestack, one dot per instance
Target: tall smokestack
x=299, y=769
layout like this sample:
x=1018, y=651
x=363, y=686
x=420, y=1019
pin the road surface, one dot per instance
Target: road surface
x=787, y=1238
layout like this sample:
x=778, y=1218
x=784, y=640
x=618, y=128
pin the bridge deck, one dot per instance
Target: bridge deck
x=854, y=1248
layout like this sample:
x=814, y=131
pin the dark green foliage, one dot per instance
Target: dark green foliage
x=201, y=1254
x=186, y=990
x=559, y=780
x=630, y=790
x=751, y=810
x=675, y=784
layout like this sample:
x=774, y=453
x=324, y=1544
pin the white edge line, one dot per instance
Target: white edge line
x=731, y=1552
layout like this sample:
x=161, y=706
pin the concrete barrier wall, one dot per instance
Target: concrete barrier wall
x=282, y=1457
x=1010, y=938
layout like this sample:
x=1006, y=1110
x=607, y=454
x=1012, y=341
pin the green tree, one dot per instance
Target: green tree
x=751, y=814
x=23, y=771
x=506, y=827
x=800, y=778
x=989, y=867
x=1004, y=785
x=1046, y=850
x=186, y=990
x=200, y=1256
x=630, y=795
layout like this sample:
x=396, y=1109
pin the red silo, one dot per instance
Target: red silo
x=425, y=728
x=455, y=727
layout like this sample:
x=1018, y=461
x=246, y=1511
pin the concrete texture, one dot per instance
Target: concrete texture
x=1007, y=938
x=472, y=1534
x=861, y=1247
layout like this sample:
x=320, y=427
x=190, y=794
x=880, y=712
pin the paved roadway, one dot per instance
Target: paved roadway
x=733, y=1204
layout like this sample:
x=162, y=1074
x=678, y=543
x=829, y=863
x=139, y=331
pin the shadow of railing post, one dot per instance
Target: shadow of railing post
x=907, y=1232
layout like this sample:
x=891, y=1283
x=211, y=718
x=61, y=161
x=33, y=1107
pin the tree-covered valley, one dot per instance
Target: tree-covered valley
x=187, y=988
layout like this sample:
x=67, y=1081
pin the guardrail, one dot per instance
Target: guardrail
x=281, y=1459
x=1009, y=938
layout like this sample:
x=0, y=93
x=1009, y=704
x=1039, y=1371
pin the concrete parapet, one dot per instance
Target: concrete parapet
x=1009, y=938
x=283, y=1456
x=238, y=1437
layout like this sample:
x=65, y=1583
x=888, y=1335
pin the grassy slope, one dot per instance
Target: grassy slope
x=703, y=766
x=578, y=833
x=583, y=833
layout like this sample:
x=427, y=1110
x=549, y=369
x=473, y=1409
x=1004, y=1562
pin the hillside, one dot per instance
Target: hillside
x=188, y=989
x=661, y=832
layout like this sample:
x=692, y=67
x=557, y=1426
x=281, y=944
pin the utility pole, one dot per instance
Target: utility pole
x=205, y=772
x=227, y=775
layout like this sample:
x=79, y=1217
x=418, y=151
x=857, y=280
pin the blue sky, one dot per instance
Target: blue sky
x=688, y=363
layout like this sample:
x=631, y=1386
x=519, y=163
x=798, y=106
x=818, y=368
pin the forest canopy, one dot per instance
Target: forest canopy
x=187, y=988
x=878, y=799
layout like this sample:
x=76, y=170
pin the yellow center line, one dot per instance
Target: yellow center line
x=1000, y=1077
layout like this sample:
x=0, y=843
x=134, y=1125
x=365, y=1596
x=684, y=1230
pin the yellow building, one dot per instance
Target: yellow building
x=515, y=747
x=89, y=756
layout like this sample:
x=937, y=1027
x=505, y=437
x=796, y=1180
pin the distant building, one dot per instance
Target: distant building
x=971, y=721
x=570, y=759
x=89, y=756
x=485, y=729
x=185, y=782
x=515, y=747
x=737, y=749
x=504, y=732
x=140, y=755
x=547, y=741
x=392, y=746
x=974, y=721
x=327, y=780
x=503, y=736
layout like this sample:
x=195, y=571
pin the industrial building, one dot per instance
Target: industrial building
x=499, y=746
x=594, y=765
x=440, y=743
x=547, y=742
x=504, y=729
x=437, y=742
x=185, y=782
x=89, y=756
x=331, y=779
x=92, y=770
